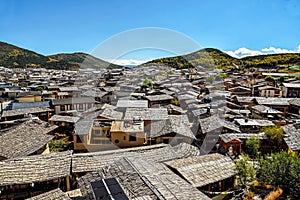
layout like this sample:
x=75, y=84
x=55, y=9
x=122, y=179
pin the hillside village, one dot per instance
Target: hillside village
x=150, y=132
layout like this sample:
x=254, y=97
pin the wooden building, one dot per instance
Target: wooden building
x=29, y=176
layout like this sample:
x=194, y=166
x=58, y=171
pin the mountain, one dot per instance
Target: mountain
x=13, y=56
x=210, y=58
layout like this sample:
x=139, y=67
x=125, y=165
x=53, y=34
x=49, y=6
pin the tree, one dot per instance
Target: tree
x=270, y=78
x=252, y=146
x=246, y=171
x=282, y=170
x=147, y=83
x=222, y=75
x=276, y=135
x=282, y=78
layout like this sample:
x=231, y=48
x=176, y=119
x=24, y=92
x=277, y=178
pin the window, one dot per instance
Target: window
x=80, y=106
x=62, y=108
x=117, y=141
x=124, y=138
x=89, y=105
x=96, y=132
x=132, y=138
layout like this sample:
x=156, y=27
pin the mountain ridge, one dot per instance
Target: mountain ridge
x=13, y=56
x=209, y=58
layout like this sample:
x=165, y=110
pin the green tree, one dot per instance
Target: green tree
x=276, y=135
x=252, y=146
x=282, y=170
x=270, y=78
x=222, y=75
x=282, y=78
x=245, y=169
x=58, y=145
x=148, y=83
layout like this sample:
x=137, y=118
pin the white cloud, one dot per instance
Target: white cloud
x=277, y=50
x=126, y=62
x=243, y=52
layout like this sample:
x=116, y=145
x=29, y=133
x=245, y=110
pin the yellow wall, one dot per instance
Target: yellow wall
x=124, y=139
x=30, y=99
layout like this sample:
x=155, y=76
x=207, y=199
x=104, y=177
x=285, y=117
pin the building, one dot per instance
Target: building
x=42, y=174
x=209, y=173
x=291, y=90
x=80, y=104
x=28, y=138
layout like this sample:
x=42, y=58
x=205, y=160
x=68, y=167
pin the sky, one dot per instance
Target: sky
x=238, y=27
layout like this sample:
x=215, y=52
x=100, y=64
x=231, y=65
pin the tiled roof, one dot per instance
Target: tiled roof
x=292, y=138
x=18, y=112
x=25, y=138
x=147, y=113
x=60, y=118
x=272, y=101
x=131, y=182
x=73, y=100
x=164, y=182
x=35, y=168
x=216, y=123
x=254, y=122
x=161, y=97
x=88, y=162
x=53, y=194
x=242, y=136
x=295, y=102
x=22, y=105
x=265, y=109
x=203, y=170
x=178, y=124
x=132, y=104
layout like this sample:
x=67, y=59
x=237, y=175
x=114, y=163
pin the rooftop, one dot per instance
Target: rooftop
x=35, y=168
x=292, y=138
x=60, y=118
x=25, y=139
x=203, y=170
x=23, y=111
x=146, y=113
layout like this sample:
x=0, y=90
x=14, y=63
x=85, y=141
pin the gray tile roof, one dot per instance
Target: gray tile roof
x=174, y=124
x=53, y=194
x=88, y=162
x=84, y=162
x=242, y=136
x=161, y=97
x=254, y=122
x=265, y=109
x=22, y=105
x=130, y=180
x=25, y=138
x=216, y=123
x=73, y=100
x=166, y=184
x=60, y=118
x=147, y=113
x=295, y=102
x=273, y=101
x=35, y=168
x=292, y=138
x=18, y=112
x=203, y=170
x=132, y=104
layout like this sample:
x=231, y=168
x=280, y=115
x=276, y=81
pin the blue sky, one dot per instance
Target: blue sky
x=238, y=27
